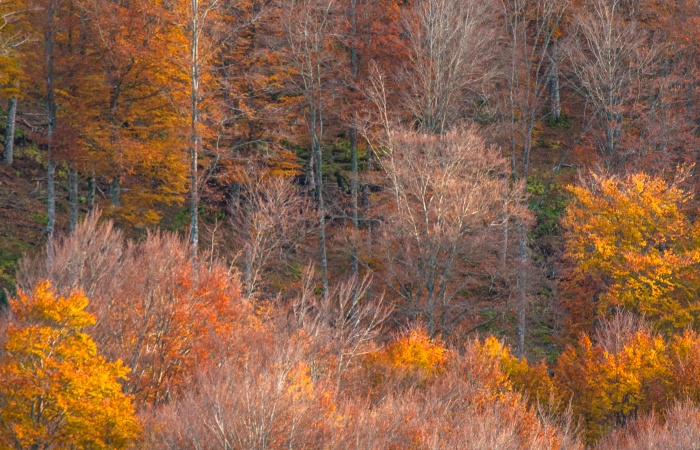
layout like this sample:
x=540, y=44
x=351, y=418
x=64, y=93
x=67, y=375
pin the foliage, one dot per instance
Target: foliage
x=634, y=238
x=155, y=308
x=55, y=390
x=412, y=360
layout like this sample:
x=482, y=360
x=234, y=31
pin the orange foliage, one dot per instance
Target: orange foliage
x=158, y=310
x=632, y=237
x=55, y=390
x=412, y=360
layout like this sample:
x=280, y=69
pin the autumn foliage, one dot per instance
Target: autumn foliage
x=154, y=308
x=56, y=391
x=364, y=224
x=634, y=239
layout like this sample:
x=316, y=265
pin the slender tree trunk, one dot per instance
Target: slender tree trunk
x=92, y=186
x=522, y=289
x=49, y=42
x=554, y=97
x=321, y=217
x=73, y=196
x=364, y=202
x=354, y=72
x=505, y=243
x=195, y=139
x=115, y=192
x=355, y=203
x=248, y=271
x=10, y=131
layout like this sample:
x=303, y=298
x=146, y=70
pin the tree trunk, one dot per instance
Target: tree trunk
x=195, y=139
x=10, y=131
x=49, y=42
x=115, y=192
x=554, y=97
x=321, y=217
x=522, y=289
x=73, y=196
x=355, y=203
x=354, y=72
x=92, y=186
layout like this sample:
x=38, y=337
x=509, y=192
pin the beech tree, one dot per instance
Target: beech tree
x=55, y=390
x=308, y=28
x=12, y=36
x=611, y=58
x=370, y=32
x=633, y=237
x=530, y=27
x=153, y=308
x=206, y=28
x=446, y=196
x=270, y=219
x=449, y=62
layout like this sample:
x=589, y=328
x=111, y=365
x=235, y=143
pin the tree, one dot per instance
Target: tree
x=611, y=59
x=370, y=32
x=124, y=127
x=56, y=391
x=633, y=237
x=530, y=27
x=48, y=19
x=449, y=63
x=607, y=388
x=270, y=219
x=12, y=37
x=445, y=204
x=207, y=28
x=154, y=309
x=308, y=28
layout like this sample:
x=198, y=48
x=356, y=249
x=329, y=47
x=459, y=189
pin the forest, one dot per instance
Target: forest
x=349, y=224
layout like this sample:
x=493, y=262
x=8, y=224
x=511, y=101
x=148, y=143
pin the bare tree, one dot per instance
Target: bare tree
x=529, y=27
x=272, y=216
x=450, y=51
x=611, y=59
x=345, y=323
x=446, y=208
x=309, y=29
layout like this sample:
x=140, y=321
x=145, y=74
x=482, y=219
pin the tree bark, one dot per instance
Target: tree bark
x=10, y=131
x=195, y=138
x=115, y=192
x=354, y=72
x=522, y=289
x=321, y=217
x=355, y=203
x=554, y=97
x=73, y=196
x=91, y=192
x=49, y=42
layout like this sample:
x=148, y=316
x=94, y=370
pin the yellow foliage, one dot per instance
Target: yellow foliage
x=605, y=389
x=633, y=237
x=417, y=352
x=54, y=387
x=516, y=373
x=413, y=358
